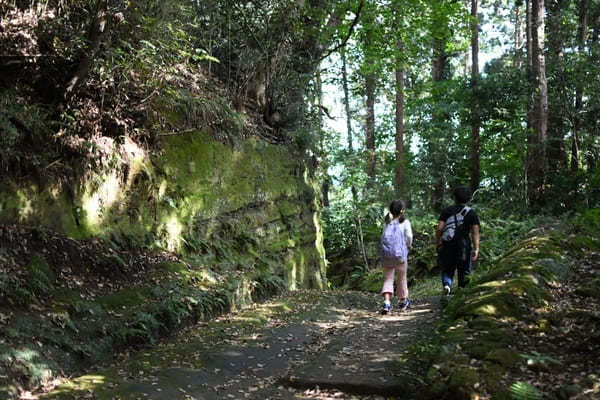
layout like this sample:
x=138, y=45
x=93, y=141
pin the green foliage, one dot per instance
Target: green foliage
x=35, y=285
x=500, y=231
x=588, y=221
x=525, y=391
x=24, y=131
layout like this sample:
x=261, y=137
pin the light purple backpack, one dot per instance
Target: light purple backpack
x=393, y=242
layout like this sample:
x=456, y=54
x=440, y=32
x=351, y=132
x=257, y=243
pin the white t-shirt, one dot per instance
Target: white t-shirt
x=408, y=234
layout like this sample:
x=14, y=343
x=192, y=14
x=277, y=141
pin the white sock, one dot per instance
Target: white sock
x=387, y=302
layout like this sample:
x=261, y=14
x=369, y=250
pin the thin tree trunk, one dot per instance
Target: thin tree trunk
x=96, y=33
x=557, y=99
x=370, y=129
x=581, y=36
x=540, y=106
x=347, y=101
x=358, y=225
x=324, y=162
x=528, y=29
x=399, y=175
x=593, y=156
x=475, y=122
x=518, y=34
x=529, y=74
x=440, y=72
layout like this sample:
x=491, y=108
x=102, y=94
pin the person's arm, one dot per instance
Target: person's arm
x=438, y=234
x=408, y=234
x=475, y=234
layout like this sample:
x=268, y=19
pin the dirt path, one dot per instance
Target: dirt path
x=305, y=345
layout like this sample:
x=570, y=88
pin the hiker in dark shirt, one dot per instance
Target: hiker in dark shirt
x=452, y=242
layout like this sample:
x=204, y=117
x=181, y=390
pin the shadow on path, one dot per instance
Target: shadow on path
x=304, y=345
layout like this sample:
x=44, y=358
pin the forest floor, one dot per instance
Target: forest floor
x=303, y=345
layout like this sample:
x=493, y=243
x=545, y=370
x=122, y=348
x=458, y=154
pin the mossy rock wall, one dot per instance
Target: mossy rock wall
x=251, y=204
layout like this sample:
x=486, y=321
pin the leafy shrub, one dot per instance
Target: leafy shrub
x=588, y=221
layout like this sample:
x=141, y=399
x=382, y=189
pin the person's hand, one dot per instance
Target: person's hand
x=437, y=247
x=475, y=255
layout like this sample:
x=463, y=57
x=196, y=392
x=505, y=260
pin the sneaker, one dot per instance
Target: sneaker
x=387, y=308
x=405, y=304
x=447, y=290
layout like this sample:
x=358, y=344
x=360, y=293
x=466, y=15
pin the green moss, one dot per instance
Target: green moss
x=491, y=375
x=454, y=334
x=590, y=289
x=504, y=356
x=126, y=298
x=174, y=267
x=462, y=382
x=587, y=242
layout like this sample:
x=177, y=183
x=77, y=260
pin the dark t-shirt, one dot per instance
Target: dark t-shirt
x=470, y=219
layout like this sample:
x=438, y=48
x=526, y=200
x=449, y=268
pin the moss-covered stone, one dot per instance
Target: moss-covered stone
x=198, y=196
x=504, y=356
x=462, y=383
x=491, y=376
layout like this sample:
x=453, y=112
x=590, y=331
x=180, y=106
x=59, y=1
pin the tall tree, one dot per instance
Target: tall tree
x=349, y=137
x=518, y=44
x=369, y=72
x=439, y=117
x=557, y=157
x=539, y=88
x=370, y=85
x=400, y=71
x=581, y=36
x=475, y=122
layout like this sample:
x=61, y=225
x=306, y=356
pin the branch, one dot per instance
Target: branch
x=96, y=33
x=326, y=111
x=350, y=31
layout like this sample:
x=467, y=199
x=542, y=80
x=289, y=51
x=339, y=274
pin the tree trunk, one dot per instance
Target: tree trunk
x=347, y=101
x=370, y=128
x=96, y=32
x=440, y=72
x=399, y=174
x=537, y=154
x=581, y=36
x=518, y=34
x=528, y=30
x=475, y=121
x=558, y=99
x=324, y=164
x=348, y=117
x=440, y=120
x=529, y=74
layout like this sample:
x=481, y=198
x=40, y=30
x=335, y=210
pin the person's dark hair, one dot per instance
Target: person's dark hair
x=462, y=194
x=397, y=208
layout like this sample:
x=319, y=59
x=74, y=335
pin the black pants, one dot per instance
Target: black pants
x=452, y=258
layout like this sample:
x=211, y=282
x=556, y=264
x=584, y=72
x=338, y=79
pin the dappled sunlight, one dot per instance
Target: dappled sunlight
x=86, y=384
x=173, y=228
x=96, y=202
x=25, y=205
x=137, y=158
x=488, y=309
